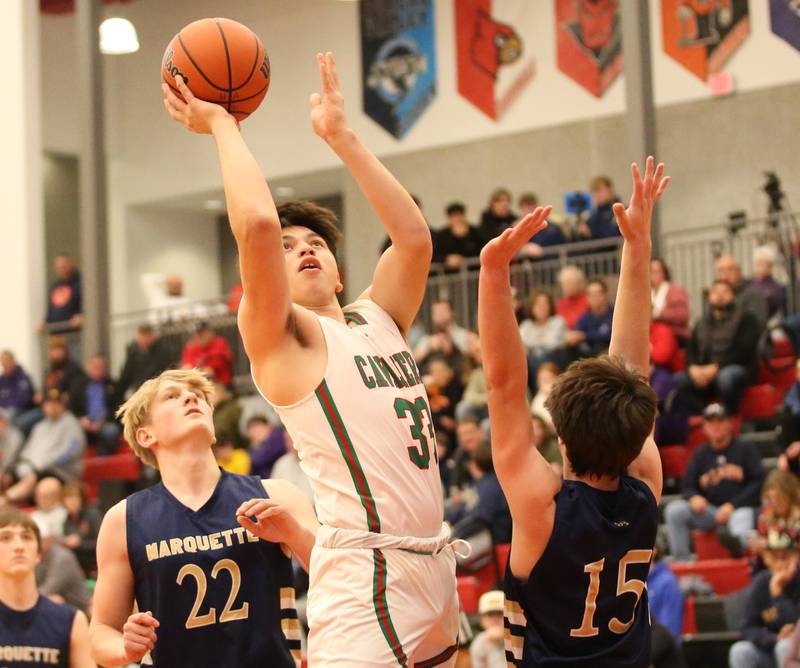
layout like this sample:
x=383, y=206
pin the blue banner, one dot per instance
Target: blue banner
x=398, y=61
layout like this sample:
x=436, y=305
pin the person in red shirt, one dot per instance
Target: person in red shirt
x=209, y=353
x=573, y=303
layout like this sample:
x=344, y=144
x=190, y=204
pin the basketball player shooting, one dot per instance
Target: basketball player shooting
x=382, y=588
x=581, y=549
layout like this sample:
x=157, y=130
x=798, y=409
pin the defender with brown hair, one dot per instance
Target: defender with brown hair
x=34, y=631
x=581, y=546
x=204, y=555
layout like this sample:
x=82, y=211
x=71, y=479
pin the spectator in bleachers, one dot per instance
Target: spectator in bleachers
x=55, y=447
x=16, y=386
x=81, y=525
x=601, y=223
x=747, y=295
x=64, y=300
x=780, y=508
x=573, y=302
x=498, y=216
x=166, y=301
x=95, y=403
x=59, y=576
x=288, y=468
x=267, y=445
x=592, y=333
x=790, y=426
x=146, y=357
x=482, y=500
x=721, y=356
x=666, y=610
x=764, y=282
x=459, y=240
x=227, y=414
x=670, y=301
x=11, y=441
x=445, y=389
x=544, y=335
x=229, y=457
x=487, y=649
x=721, y=488
x=446, y=338
x=672, y=420
x=50, y=513
x=210, y=353
x=62, y=374
x=772, y=608
x=546, y=442
x=475, y=398
x=552, y=235
x=469, y=437
x=545, y=377
x=663, y=345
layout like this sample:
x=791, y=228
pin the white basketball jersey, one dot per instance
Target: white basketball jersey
x=365, y=435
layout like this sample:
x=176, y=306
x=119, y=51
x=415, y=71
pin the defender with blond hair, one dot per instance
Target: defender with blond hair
x=34, y=631
x=576, y=580
x=349, y=393
x=188, y=552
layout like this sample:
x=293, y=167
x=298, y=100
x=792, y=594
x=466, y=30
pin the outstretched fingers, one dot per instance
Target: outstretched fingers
x=662, y=186
x=621, y=215
x=332, y=73
x=180, y=84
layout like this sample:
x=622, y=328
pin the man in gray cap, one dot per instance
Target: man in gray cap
x=721, y=487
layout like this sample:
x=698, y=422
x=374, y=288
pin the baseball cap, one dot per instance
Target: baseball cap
x=715, y=410
x=491, y=601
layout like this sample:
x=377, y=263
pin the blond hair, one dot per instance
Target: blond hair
x=135, y=412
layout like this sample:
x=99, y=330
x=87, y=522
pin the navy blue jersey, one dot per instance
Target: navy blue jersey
x=223, y=597
x=585, y=602
x=36, y=637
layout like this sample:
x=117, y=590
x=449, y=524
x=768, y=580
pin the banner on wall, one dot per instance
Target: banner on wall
x=589, y=42
x=494, y=64
x=785, y=18
x=703, y=34
x=398, y=61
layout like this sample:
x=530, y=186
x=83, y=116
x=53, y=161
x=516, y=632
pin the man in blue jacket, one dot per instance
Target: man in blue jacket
x=772, y=608
x=721, y=487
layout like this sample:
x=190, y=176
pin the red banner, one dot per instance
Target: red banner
x=494, y=65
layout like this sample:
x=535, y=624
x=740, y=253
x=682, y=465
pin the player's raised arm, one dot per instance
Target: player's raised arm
x=407, y=261
x=117, y=636
x=525, y=476
x=630, y=333
x=266, y=306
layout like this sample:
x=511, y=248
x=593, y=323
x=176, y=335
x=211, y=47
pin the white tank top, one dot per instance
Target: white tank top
x=365, y=436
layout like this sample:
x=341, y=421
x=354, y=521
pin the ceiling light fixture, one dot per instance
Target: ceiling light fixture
x=118, y=36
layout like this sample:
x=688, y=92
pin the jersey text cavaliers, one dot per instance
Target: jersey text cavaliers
x=399, y=370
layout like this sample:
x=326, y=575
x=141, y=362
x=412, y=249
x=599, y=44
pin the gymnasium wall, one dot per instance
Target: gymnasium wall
x=552, y=139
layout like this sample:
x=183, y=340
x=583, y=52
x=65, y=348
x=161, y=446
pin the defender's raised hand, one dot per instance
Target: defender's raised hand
x=502, y=249
x=193, y=113
x=327, y=110
x=634, y=222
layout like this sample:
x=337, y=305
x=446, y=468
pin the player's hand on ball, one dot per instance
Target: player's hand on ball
x=268, y=520
x=191, y=112
x=327, y=110
x=502, y=249
x=139, y=635
x=634, y=222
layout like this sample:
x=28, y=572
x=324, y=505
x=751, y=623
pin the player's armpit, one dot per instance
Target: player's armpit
x=80, y=654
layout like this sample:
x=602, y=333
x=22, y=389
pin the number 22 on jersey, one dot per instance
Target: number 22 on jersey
x=587, y=629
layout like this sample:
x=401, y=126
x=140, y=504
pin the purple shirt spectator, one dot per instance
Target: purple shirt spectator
x=266, y=453
x=16, y=387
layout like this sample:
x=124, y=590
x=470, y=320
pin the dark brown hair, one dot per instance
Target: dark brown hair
x=664, y=268
x=599, y=182
x=15, y=517
x=528, y=198
x=318, y=219
x=550, y=302
x=603, y=412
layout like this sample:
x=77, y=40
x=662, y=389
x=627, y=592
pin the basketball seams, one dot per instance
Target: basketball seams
x=204, y=99
x=253, y=68
x=228, y=61
x=194, y=64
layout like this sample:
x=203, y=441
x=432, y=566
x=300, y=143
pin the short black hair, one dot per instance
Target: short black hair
x=455, y=207
x=318, y=219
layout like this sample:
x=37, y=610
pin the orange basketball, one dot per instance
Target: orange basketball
x=222, y=61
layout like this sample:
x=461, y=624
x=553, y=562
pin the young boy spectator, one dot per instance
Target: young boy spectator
x=592, y=333
x=488, y=648
x=95, y=404
x=721, y=488
x=601, y=223
x=458, y=241
x=772, y=608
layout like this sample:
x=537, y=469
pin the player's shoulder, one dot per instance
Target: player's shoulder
x=364, y=311
x=56, y=613
x=117, y=513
